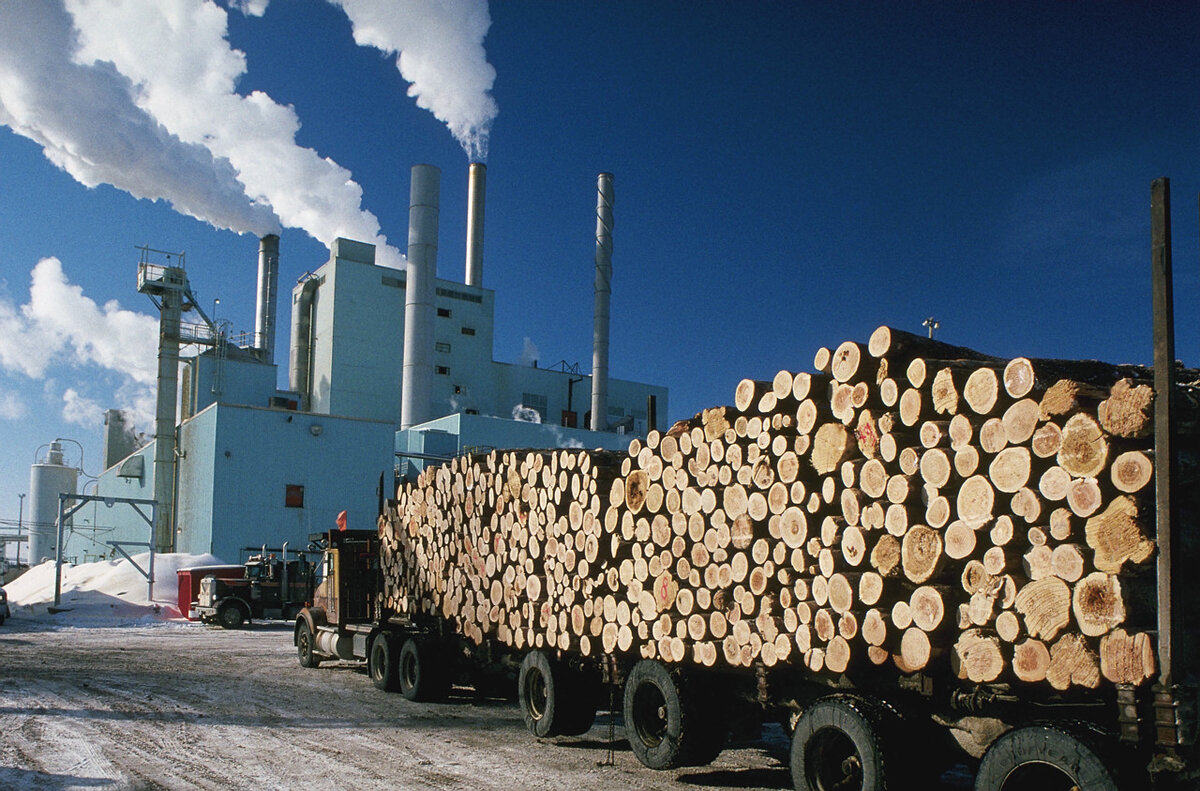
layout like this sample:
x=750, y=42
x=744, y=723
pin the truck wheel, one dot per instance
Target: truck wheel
x=840, y=742
x=231, y=616
x=383, y=664
x=555, y=699
x=1046, y=756
x=305, y=646
x=422, y=674
x=667, y=725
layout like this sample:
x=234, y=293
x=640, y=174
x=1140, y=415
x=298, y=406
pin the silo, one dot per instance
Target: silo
x=48, y=478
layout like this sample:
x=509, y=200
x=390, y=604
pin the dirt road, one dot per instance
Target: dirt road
x=173, y=706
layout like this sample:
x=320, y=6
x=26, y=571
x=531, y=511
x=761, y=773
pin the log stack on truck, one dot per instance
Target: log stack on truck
x=913, y=546
x=915, y=534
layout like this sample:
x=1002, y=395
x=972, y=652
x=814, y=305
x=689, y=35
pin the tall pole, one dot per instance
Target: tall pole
x=20, y=516
x=1166, y=523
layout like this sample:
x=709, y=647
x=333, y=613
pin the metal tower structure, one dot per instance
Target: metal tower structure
x=162, y=277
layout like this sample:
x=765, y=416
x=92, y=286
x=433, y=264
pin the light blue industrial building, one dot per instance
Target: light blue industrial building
x=258, y=465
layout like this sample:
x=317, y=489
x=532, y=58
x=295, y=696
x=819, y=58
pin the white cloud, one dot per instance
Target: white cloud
x=80, y=410
x=11, y=406
x=250, y=7
x=439, y=48
x=59, y=321
x=184, y=74
x=60, y=326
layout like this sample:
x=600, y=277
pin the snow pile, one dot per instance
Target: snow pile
x=104, y=593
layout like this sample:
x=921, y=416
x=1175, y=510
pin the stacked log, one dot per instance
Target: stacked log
x=910, y=506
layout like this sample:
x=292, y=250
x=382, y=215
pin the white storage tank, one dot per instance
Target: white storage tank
x=48, y=478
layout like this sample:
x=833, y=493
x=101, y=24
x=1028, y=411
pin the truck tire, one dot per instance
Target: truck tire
x=555, y=699
x=305, y=646
x=1048, y=756
x=422, y=673
x=231, y=616
x=667, y=724
x=844, y=742
x=383, y=663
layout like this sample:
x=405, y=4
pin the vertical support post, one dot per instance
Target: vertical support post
x=1166, y=525
x=62, y=500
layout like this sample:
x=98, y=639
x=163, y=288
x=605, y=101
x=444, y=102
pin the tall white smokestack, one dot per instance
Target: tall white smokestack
x=268, y=287
x=604, y=225
x=416, y=387
x=476, y=187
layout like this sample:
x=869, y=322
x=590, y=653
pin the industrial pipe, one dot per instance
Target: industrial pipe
x=416, y=386
x=300, y=366
x=604, y=225
x=265, y=306
x=476, y=187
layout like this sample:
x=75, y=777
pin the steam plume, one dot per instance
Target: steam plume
x=87, y=124
x=184, y=72
x=439, y=49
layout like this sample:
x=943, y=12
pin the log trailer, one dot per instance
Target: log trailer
x=917, y=554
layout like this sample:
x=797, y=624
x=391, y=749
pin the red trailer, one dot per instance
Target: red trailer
x=189, y=584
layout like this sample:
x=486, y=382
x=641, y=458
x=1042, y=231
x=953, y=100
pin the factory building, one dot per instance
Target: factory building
x=388, y=370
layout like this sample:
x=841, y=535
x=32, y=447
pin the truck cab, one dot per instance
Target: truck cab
x=349, y=576
x=270, y=588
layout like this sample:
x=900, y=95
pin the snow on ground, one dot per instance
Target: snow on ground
x=104, y=593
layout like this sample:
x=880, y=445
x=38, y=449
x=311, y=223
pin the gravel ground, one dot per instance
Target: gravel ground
x=187, y=706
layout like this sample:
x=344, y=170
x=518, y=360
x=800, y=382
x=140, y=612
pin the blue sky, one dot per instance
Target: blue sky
x=787, y=176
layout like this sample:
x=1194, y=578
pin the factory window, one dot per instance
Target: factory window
x=535, y=401
x=468, y=330
x=442, y=347
x=443, y=313
x=616, y=411
x=394, y=282
x=442, y=370
x=461, y=295
x=293, y=496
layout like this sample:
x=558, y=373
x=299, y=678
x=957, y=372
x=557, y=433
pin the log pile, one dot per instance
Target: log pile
x=910, y=506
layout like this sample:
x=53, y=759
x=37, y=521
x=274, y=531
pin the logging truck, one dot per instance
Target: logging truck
x=916, y=555
x=916, y=552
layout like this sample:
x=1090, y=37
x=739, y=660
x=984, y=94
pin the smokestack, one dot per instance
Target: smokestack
x=416, y=387
x=268, y=286
x=476, y=187
x=604, y=224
